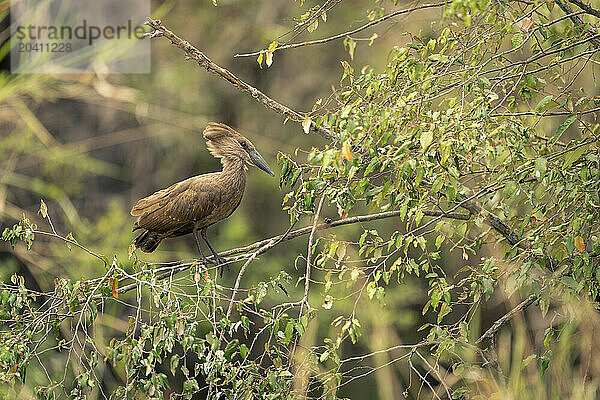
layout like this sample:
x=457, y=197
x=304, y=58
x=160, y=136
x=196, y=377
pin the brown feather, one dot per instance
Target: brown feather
x=199, y=201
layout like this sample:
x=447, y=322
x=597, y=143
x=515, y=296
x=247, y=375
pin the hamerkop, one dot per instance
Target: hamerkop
x=196, y=203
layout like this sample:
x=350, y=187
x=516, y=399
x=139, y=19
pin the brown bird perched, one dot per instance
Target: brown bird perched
x=196, y=203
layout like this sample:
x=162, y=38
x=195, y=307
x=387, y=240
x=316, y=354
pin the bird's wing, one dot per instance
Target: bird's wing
x=180, y=204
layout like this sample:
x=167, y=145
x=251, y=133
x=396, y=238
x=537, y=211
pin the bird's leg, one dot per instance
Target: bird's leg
x=219, y=261
x=203, y=259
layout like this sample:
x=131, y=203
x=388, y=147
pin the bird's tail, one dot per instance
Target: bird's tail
x=147, y=241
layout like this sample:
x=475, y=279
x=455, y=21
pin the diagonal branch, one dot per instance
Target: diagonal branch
x=267, y=244
x=578, y=22
x=201, y=59
x=495, y=222
x=506, y=317
x=586, y=7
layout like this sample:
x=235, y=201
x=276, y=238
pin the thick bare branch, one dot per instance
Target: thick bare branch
x=578, y=22
x=506, y=317
x=495, y=222
x=586, y=7
x=201, y=59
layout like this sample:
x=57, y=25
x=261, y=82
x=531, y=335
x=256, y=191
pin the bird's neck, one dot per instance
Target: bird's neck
x=234, y=170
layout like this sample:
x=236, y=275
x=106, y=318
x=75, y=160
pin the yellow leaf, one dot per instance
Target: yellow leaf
x=43, y=209
x=259, y=59
x=351, y=47
x=269, y=58
x=372, y=39
x=579, y=245
x=130, y=250
x=346, y=152
x=306, y=124
x=426, y=139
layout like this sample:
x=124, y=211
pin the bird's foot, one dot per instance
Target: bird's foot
x=220, y=263
x=203, y=260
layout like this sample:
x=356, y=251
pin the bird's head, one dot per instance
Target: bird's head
x=226, y=143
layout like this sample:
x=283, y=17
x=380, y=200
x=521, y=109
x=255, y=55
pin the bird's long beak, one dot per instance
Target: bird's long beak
x=260, y=162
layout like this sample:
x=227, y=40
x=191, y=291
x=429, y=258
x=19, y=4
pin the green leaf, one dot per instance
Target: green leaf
x=570, y=283
x=439, y=240
x=426, y=139
x=545, y=361
x=541, y=165
x=243, y=350
x=437, y=184
x=510, y=188
x=190, y=386
x=526, y=361
x=174, y=364
x=563, y=127
x=289, y=330
x=316, y=184
x=231, y=348
x=574, y=155
x=372, y=166
x=542, y=104
x=517, y=39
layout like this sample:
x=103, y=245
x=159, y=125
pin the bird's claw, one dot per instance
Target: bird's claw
x=220, y=263
x=203, y=260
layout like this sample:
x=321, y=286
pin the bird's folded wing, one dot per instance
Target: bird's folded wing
x=168, y=209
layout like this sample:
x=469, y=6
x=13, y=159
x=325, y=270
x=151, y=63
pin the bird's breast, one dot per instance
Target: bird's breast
x=230, y=196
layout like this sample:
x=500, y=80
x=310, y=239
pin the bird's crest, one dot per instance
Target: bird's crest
x=227, y=144
x=222, y=141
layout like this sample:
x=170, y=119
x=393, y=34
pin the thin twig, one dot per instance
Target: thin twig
x=311, y=240
x=348, y=33
x=70, y=241
x=303, y=26
x=272, y=243
x=435, y=371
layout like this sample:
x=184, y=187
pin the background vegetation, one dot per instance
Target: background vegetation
x=439, y=216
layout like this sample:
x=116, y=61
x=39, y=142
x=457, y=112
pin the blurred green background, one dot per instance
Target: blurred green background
x=91, y=145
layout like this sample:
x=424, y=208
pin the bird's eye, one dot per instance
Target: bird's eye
x=244, y=144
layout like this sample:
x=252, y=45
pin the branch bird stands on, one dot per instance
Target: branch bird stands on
x=198, y=202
